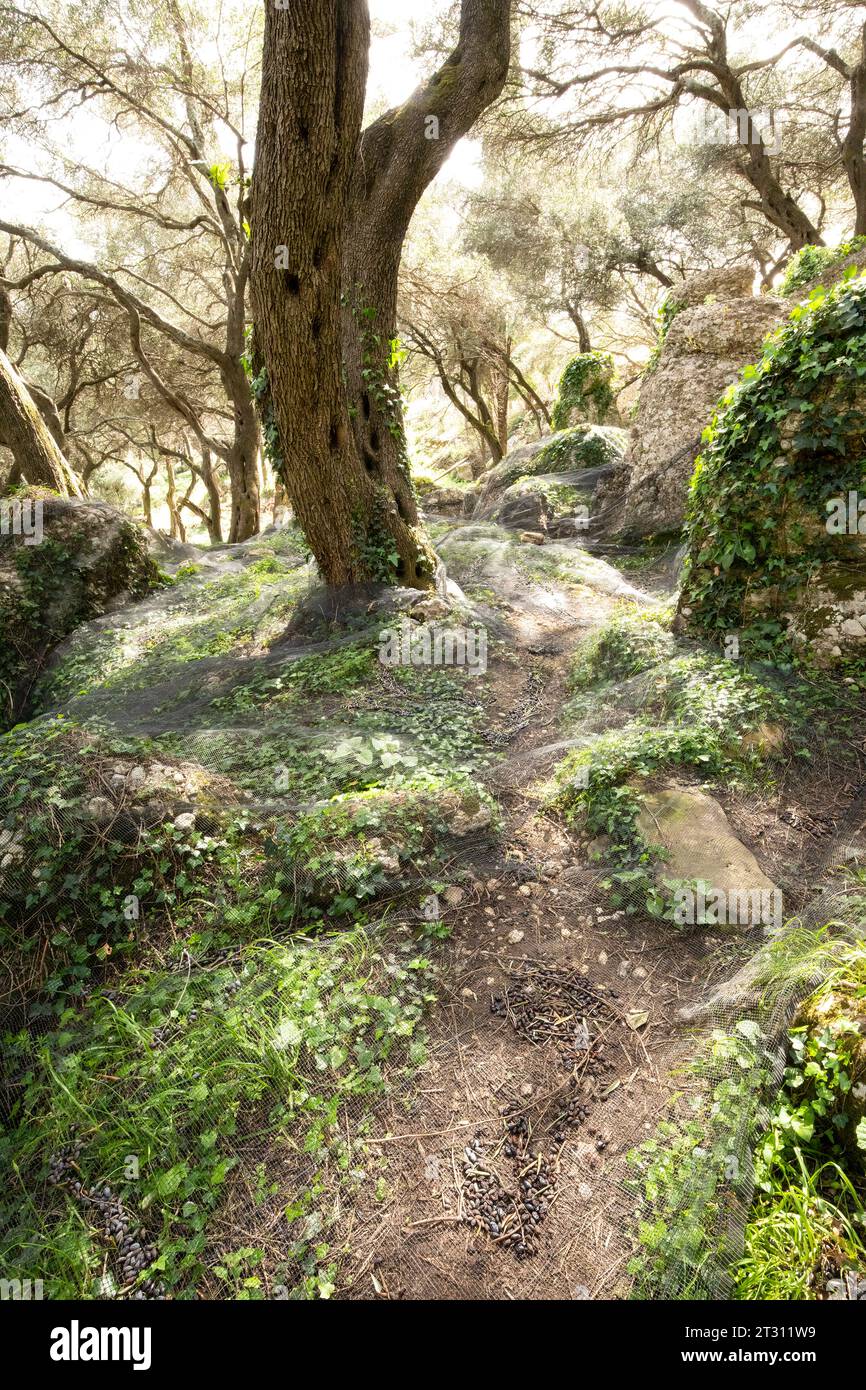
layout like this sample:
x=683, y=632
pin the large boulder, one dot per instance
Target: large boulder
x=586, y=392
x=535, y=479
x=62, y=562
x=715, y=327
x=776, y=529
x=442, y=501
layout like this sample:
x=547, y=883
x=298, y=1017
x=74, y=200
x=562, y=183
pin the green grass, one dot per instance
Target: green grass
x=789, y=1230
x=795, y=1150
x=184, y=1072
x=810, y=1163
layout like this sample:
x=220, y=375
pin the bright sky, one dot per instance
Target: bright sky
x=393, y=75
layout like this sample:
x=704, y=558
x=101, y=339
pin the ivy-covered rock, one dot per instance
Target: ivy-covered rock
x=712, y=327
x=377, y=843
x=776, y=530
x=585, y=391
x=575, y=457
x=80, y=560
x=821, y=265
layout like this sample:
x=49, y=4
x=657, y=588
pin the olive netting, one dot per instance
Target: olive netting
x=250, y=1049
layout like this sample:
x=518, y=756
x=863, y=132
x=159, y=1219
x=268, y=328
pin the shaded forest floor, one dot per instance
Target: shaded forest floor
x=384, y=1022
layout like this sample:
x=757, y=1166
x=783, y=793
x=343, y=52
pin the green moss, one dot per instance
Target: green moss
x=585, y=387
x=560, y=498
x=339, y=672
x=812, y=261
x=236, y=615
x=584, y=446
x=56, y=586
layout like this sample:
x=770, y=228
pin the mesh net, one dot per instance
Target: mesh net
x=312, y=988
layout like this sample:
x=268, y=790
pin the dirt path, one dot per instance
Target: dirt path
x=551, y=1048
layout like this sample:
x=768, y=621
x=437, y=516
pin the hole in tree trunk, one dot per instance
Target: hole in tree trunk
x=371, y=463
x=374, y=441
x=293, y=284
x=365, y=405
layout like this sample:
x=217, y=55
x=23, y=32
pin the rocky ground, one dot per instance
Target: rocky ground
x=379, y=963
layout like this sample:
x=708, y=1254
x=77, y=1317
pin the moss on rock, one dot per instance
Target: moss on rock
x=89, y=559
x=769, y=556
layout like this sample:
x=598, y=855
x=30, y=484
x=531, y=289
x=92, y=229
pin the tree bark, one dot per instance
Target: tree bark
x=22, y=429
x=576, y=316
x=778, y=207
x=400, y=154
x=332, y=373
x=242, y=457
x=855, y=137
x=314, y=70
x=209, y=478
x=501, y=390
x=147, y=481
x=480, y=420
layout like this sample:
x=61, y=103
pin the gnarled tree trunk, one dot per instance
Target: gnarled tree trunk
x=242, y=456
x=332, y=372
x=314, y=72
x=37, y=458
x=400, y=154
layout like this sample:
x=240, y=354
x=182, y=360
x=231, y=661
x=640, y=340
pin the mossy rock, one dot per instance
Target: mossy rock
x=545, y=503
x=572, y=451
x=767, y=557
x=90, y=559
x=585, y=391
x=701, y=848
x=625, y=646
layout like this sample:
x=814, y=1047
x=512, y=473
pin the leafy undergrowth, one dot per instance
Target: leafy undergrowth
x=162, y=1084
x=812, y=261
x=212, y=850
x=782, y=1154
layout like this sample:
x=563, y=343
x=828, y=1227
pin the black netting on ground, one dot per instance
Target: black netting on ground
x=311, y=987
